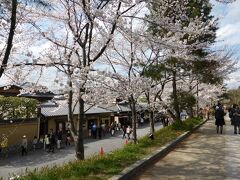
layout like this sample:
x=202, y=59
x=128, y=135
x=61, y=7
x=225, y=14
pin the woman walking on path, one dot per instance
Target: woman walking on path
x=219, y=116
x=206, y=112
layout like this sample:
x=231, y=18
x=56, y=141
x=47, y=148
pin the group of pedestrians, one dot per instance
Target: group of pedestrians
x=55, y=139
x=50, y=141
x=97, y=131
x=234, y=115
x=102, y=129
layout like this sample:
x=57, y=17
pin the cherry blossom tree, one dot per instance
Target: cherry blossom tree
x=181, y=18
x=11, y=16
x=79, y=33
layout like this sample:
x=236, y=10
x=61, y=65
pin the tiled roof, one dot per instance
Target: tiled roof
x=118, y=107
x=62, y=109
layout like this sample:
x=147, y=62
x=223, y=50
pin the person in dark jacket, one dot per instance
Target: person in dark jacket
x=219, y=116
x=100, y=131
x=231, y=113
x=236, y=119
x=52, y=141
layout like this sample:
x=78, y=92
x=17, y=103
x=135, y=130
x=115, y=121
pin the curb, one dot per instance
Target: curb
x=132, y=170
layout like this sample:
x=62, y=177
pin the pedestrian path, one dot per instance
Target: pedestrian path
x=203, y=155
x=18, y=164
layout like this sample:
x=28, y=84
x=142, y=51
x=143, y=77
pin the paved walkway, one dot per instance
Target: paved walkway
x=204, y=155
x=18, y=164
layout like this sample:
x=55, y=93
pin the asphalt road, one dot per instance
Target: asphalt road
x=17, y=164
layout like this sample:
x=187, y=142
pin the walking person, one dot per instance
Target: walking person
x=235, y=111
x=46, y=142
x=34, y=143
x=141, y=120
x=24, y=145
x=129, y=131
x=52, y=141
x=103, y=129
x=68, y=139
x=124, y=129
x=219, y=116
x=59, y=139
x=100, y=131
x=94, y=131
x=112, y=129
x=206, y=112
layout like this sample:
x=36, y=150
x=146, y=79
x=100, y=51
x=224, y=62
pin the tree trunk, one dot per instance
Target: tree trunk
x=80, y=140
x=197, y=110
x=10, y=37
x=151, y=120
x=175, y=97
x=70, y=111
x=191, y=112
x=152, y=129
x=134, y=118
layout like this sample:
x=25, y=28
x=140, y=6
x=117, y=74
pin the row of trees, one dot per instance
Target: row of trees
x=232, y=97
x=107, y=49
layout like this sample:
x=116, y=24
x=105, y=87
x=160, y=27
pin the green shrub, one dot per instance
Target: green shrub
x=186, y=125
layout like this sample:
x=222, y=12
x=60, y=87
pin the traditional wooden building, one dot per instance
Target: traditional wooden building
x=15, y=90
x=55, y=116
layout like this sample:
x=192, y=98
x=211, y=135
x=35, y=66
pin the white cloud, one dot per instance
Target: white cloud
x=234, y=80
x=229, y=22
x=228, y=34
x=228, y=30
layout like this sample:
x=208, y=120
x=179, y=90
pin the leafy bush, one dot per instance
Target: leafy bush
x=186, y=125
x=17, y=107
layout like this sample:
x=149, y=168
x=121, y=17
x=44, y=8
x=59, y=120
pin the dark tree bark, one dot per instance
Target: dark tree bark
x=80, y=139
x=152, y=129
x=134, y=118
x=10, y=37
x=151, y=120
x=70, y=111
x=175, y=97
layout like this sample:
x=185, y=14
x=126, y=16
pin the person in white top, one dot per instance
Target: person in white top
x=129, y=130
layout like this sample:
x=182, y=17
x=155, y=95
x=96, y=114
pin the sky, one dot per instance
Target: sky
x=228, y=34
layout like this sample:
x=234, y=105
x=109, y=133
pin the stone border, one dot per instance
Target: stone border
x=132, y=170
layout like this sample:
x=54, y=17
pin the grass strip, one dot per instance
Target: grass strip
x=108, y=165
